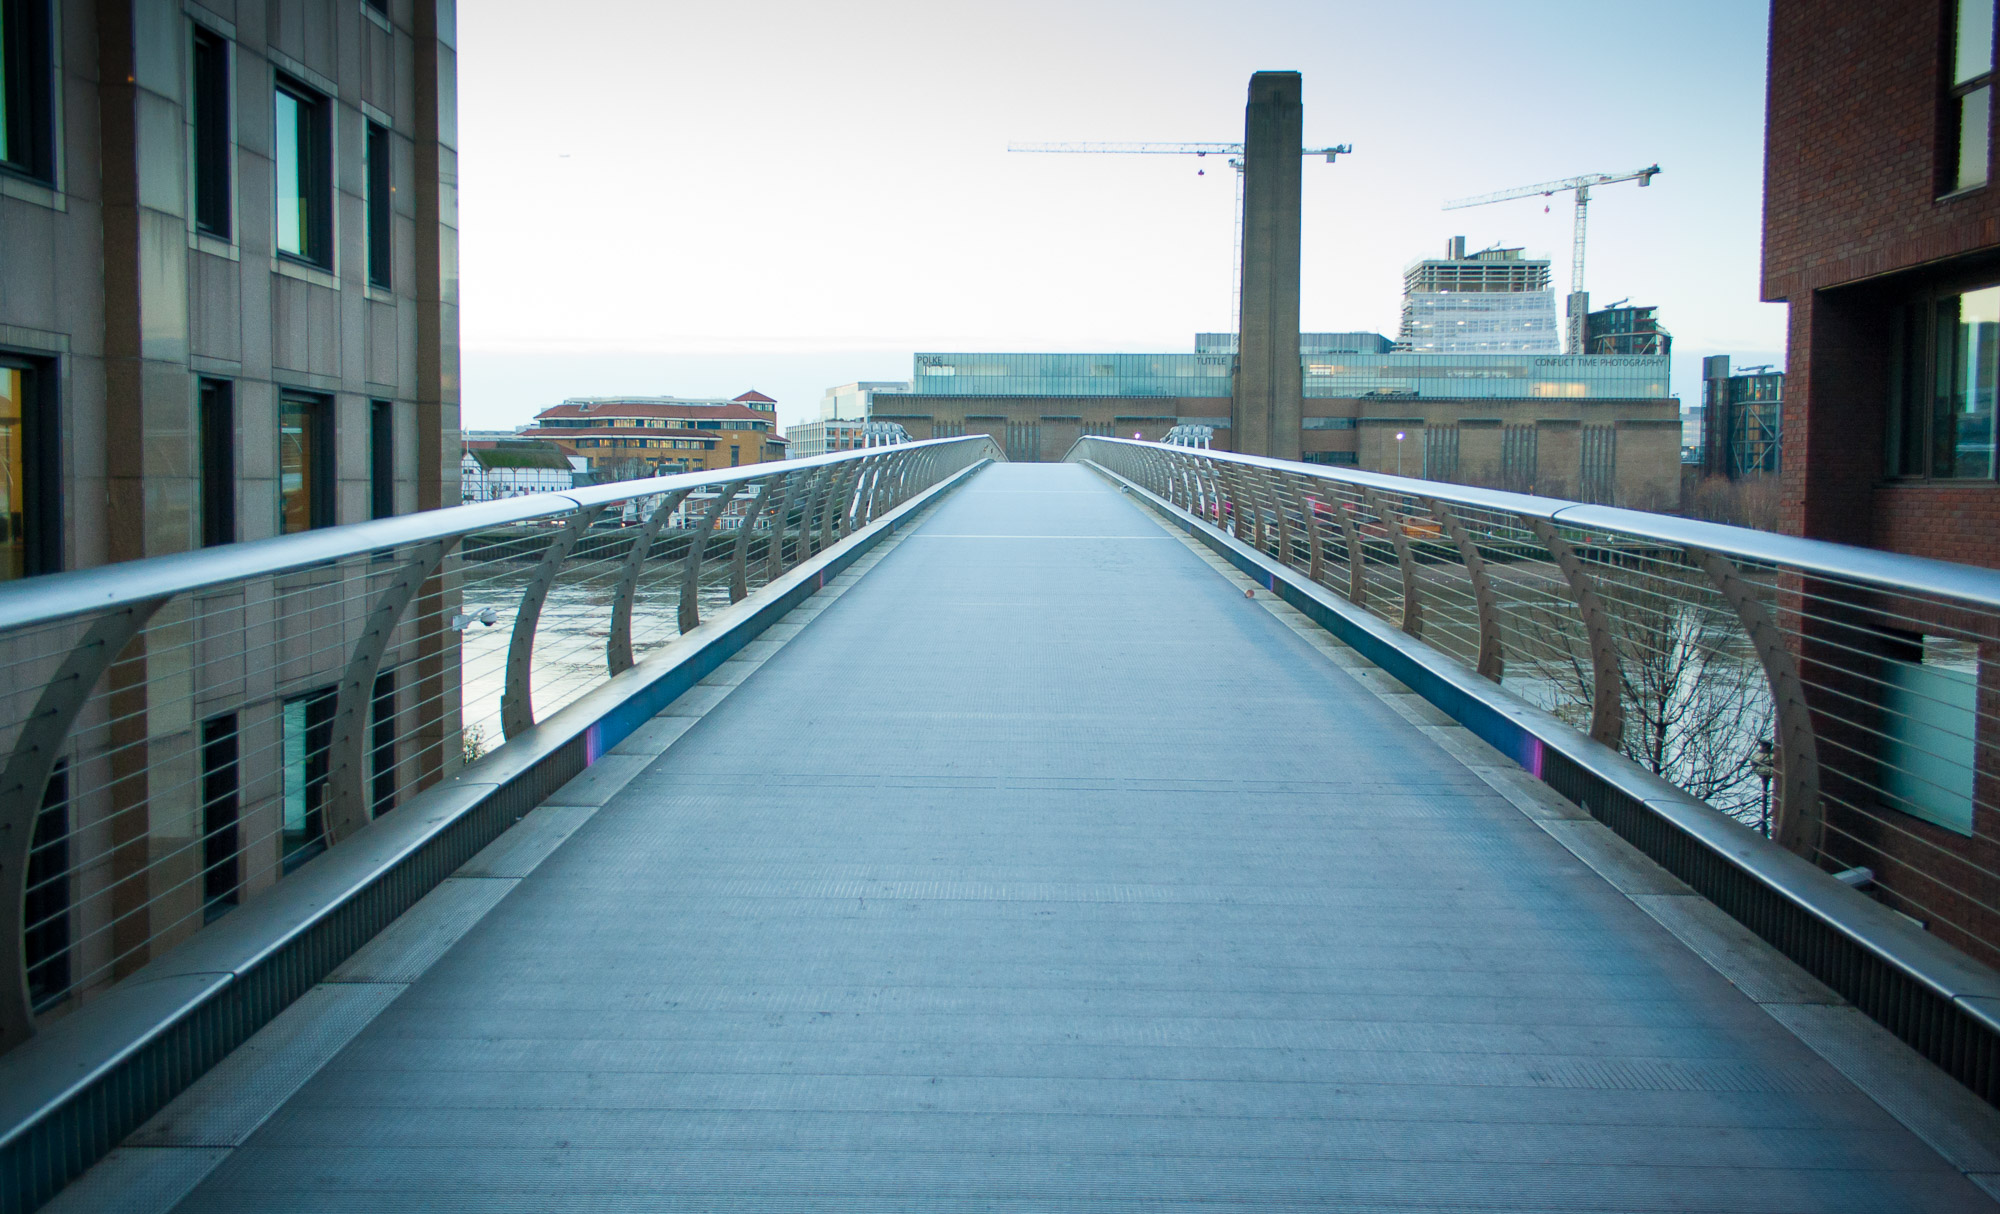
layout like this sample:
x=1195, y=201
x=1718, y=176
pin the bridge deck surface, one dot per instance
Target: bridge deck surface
x=1043, y=871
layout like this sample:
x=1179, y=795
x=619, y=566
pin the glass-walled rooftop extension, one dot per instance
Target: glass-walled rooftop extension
x=1484, y=376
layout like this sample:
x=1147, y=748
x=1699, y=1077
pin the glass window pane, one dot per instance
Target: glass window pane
x=1972, y=50
x=1929, y=719
x=1966, y=431
x=290, y=154
x=1974, y=117
x=13, y=467
x=6, y=92
x=295, y=465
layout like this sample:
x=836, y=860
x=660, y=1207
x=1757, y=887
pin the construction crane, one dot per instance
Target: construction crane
x=1234, y=151
x=1170, y=149
x=1579, y=299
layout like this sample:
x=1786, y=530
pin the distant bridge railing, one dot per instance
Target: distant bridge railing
x=182, y=732
x=1845, y=702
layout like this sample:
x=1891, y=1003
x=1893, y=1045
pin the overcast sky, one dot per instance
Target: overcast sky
x=696, y=199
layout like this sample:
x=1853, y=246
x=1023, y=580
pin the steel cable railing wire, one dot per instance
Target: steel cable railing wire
x=1894, y=655
x=198, y=764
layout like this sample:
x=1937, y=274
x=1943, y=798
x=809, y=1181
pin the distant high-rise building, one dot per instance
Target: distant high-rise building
x=1742, y=418
x=1622, y=329
x=856, y=401
x=1491, y=302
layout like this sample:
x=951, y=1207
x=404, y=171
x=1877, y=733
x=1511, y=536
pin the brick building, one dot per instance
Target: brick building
x=1603, y=429
x=626, y=437
x=1882, y=233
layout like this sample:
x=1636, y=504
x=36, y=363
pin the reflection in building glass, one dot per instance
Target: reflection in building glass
x=290, y=155
x=13, y=544
x=1965, y=427
x=295, y=465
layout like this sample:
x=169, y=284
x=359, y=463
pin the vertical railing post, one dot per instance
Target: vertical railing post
x=26, y=780
x=1406, y=562
x=690, y=614
x=517, y=706
x=347, y=804
x=817, y=495
x=1315, y=541
x=1798, y=825
x=625, y=592
x=774, y=549
x=739, y=562
x=1491, y=663
x=1607, y=707
x=1275, y=492
x=836, y=506
x=1357, y=554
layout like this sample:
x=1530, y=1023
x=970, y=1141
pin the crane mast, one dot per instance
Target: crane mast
x=1578, y=304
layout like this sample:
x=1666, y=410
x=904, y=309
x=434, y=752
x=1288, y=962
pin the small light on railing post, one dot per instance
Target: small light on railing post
x=1761, y=763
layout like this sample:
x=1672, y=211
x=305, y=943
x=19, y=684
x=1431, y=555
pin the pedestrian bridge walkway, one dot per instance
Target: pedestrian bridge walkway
x=1038, y=864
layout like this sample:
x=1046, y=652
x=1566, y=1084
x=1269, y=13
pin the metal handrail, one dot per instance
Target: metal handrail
x=77, y=592
x=1827, y=695
x=1890, y=570
x=180, y=732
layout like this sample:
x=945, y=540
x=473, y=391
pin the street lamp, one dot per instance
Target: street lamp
x=1761, y=763
x=1399, y=453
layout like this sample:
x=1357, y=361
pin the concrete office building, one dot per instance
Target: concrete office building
x=856, y=401
x=228, y=297
x=832, y=434
x=1491, y=302
x=228, y=311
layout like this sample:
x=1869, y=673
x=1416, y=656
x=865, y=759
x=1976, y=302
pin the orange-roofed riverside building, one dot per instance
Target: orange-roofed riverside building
x=624, y=437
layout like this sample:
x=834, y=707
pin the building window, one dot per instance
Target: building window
x=303, y=154
x=27, y=101
x=45, y=908
x=308, y=737
x=217, y=424
x=1945, y=355
x=221, y=809
x=305, y=463
x=379, y=248
x=381, y=459
x=213, y=205
x=1969, y=104
x=29, y=459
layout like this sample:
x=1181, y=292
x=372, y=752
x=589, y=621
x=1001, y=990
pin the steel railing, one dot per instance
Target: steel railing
x=1841, y=701
x=180, y=733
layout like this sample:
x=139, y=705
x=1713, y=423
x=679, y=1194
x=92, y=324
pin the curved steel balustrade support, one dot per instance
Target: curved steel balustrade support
x=1667, y=612
x=272, y=636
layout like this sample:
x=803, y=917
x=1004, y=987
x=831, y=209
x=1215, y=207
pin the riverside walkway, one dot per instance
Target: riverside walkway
x=1042, y=868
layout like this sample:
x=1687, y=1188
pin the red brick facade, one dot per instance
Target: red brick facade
x=1859, y=219
x=1851, y=207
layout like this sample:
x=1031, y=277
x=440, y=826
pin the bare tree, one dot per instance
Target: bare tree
x=1696, y=702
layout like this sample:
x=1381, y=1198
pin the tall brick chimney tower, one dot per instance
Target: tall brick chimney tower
x=1265, y=411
